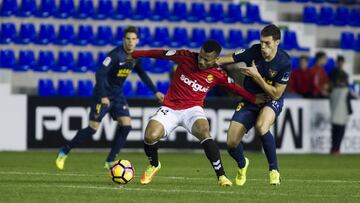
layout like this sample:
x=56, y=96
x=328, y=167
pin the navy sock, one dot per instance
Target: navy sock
x=151, y=153
x=118, y=142
x=213, y=154
x=269, y=146
x=237, y=153
x=79, y=138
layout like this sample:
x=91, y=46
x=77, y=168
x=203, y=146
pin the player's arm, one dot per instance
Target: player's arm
x=174, y=55
x=242, y=55
x=226, y=59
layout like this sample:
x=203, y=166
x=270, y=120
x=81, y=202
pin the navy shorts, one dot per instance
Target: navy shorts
x=118, y=108
x=247, y=113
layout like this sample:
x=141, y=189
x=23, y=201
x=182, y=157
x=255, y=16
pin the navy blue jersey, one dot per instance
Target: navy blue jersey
x=275, y=71
x=114, y=71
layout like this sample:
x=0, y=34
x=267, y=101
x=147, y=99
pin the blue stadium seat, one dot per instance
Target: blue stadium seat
x=161, y=37
x=65, y=62
x=302, y=1
x=357, y=43
x=233, y=13
x=45, y=62
x=355, y=17
x=198, y=37
x=123, y=10
x=161, y=66
x=216, y=13
x=218, y=35
x=47, y=8
x=104, y=10
x=330, y=65
x=7, y=58
x=295, y=62
x=178, y=12
x=179, y=38
x=143, y=90
x=161, y=11
x=65, y=35
x=46, y=34
x=309, y=14
x=8, y=8
x=162, y=86
x=342, y=16
x=142, y=10
x=85, y=9
x=66, y=88
x=8, y=33
x=25, y=61
x=326, y=16
x=252, y=15
x=46, y=87
x=119, y=35
x=235, y=39
x=84, y=63
x=197, y=12
x=26, y=35
x=84, y=36
x=146, y=64
x=127, y=88
x=347, y=40
x=144, y=36
x=252, y=35
x=104, y=36
x=318, y=1
x=85, y=88
x=65, y=9
x=290, y=41
x=27, y=8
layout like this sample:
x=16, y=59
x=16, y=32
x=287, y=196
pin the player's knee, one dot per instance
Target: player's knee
x=151, y=136
x=260, y=128
x=202, y=132
x=232, y=143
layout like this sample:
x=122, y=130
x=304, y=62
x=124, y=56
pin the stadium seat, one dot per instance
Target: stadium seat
x=162, y=86
x=104, y=10
x=45, y=62
x=318, y=1
x=302, y=1
x=143, y=90
x=66, y=88
x=85, y=9
x=290, y=41
x=355, y=17
x=142, y=10
x=123, y=10
x=146, y=64
x=7, y=58
x=160, y=12
x=104, y=36
x=26, y=35
x=84, y=36
x=46, y=87
x=198, y=37
x=330, y=65
x=342, y=16
x=65, y=62
x=178, y=12
x=65, y=35
x=235, y=39
x=252, y=15
x=218, y=35
x=144, y=36
x=215, y=13
x=357, y=43
x=65, y=9
x=309, y=14
x=27, y=8
x=161, y=66
x=8, y=33
x=8, y=8
x=119, y=35
x=295, y=62
x=25, y=61
x=252, y=35
x=46, y=34
x=326, y=16
x=197, y=12
x=85, y=88
x=161, y=37
x=179, y=38
x=233, y=13
x=347, y=40
x=85, y=62
x=46, y=8
x=127, y=88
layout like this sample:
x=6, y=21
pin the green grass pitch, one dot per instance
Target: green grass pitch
x=184, y=177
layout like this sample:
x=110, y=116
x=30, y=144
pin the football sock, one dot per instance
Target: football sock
x=213, y=154
x=119, y=141
x=269, y=146
x=337, y=134
x=79, y=138
x=151, y=153
x=238, y=154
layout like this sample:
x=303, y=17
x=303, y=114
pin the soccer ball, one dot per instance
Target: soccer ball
x=122, y=171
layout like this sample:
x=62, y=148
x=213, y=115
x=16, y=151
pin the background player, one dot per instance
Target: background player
x=268, y=72
x=195, y=75
x=108, y=97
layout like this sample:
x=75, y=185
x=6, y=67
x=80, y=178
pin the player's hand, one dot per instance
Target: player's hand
x=160, y=97
x=262, y=98
x=105, y=101
x=251, y=71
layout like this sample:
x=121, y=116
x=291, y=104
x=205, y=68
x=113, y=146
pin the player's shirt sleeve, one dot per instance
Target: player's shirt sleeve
x=174, y=55
x=145, y=77
x=102, y=72
x=284, y=74
x=244, y=55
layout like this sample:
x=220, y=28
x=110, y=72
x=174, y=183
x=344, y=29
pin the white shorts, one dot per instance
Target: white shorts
x=171, y=119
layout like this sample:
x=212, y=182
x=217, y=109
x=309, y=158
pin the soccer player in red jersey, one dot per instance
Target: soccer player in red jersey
x=195, y=75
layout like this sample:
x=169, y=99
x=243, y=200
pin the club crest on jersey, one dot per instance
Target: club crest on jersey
x=272, y=73
x=209, y=78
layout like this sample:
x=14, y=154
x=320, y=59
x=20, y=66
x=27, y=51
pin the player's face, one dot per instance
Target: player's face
x=268, y=46
x=304, y=64
x=130, y=41
x=207, y=60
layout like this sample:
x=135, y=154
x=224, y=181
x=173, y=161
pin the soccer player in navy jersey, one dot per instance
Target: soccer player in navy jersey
x=195, y=75
x=268, y=70
x=108, y=97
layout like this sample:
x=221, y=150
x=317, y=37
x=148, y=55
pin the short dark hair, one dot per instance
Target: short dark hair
x=211, y=45
x=319, y=55
x=131, y=29
x=340, y=59
x=271, y=30
x=303, y=57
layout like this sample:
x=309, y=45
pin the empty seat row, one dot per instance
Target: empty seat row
x=143, y=10
x=349, y=41
x=328, y=16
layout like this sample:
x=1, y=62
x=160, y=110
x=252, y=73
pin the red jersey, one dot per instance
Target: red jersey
x=189, y=85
